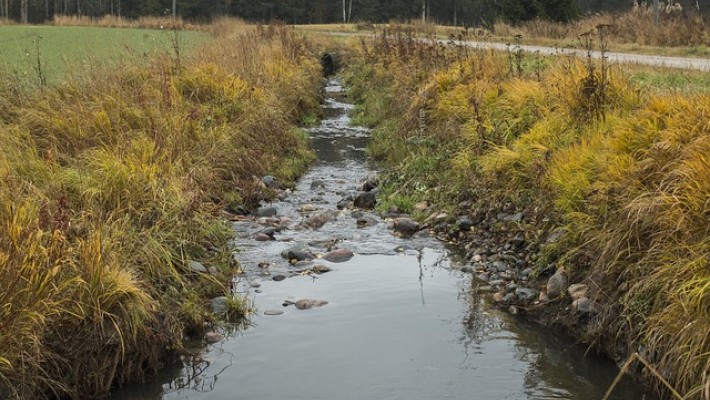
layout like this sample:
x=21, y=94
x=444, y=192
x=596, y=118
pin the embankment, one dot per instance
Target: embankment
x=542, y=165
x=112, y=191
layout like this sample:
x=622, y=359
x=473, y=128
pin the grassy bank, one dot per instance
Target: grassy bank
x=615, y=171
x=113, y=183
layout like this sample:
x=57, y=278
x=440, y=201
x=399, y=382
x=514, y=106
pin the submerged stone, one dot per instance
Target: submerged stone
x=406, y=226
x=297, y=254
x=320, y=269
x=262, y=237
x=317, y=184
x=306, y=304
x=213, y=337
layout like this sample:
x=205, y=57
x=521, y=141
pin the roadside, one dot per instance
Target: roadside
x=693, y=63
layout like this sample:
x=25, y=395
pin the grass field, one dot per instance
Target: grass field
x=72, y=50
x=668, y=79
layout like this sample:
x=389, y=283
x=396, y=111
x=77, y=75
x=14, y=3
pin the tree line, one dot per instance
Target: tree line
x=450, y=12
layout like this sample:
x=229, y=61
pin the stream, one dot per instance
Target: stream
x=402, y=321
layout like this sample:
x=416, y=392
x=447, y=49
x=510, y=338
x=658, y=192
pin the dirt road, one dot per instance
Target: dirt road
x=700, y=64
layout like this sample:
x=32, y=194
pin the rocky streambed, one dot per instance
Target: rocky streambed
x=352, y=303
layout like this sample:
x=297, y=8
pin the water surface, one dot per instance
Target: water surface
x=402, y=322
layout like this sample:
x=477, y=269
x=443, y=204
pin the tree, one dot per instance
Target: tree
x=4, y=9
x=524, y=10
x=520, y=10
x=560, y=10
x=24, y=15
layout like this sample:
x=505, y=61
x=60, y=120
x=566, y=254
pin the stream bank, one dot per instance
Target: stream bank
x=581, y=199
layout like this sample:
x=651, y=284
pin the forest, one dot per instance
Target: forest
x=449, y=12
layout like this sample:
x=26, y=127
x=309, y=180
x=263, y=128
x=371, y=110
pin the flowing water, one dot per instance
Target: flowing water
x=402, y=320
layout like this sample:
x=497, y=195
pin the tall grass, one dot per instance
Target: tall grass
x=114, y=21
x=581, y=150
x=110, y=185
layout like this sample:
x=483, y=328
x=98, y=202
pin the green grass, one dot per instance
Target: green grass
x=74, y=50
x=671, y=79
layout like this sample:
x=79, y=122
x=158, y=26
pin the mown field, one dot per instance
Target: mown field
x=74, y=50
x=116, y=175
x=610, y=161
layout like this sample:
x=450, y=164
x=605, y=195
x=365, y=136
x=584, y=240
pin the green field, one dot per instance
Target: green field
x=681, y=81
x=70, y=51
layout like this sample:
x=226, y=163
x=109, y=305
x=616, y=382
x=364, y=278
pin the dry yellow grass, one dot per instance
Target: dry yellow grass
x=113, y=21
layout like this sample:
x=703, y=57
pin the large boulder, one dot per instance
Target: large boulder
x=405, y=226
x=365, y=200
x=369, y=186
x=464, y=223
x=557, y=284
x=271, y=182
x=195, y=266
x=337, y=256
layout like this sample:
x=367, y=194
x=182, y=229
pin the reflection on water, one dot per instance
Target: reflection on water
x=399, y=325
